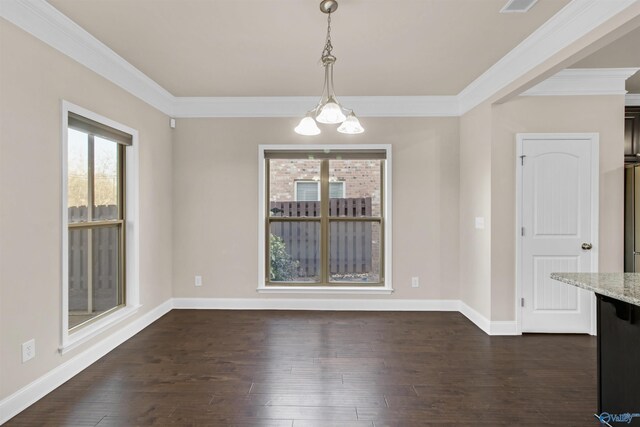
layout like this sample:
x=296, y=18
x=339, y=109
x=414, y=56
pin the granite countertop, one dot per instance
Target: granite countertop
x=621, y=286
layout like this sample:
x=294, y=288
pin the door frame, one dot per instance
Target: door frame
x=594, y=140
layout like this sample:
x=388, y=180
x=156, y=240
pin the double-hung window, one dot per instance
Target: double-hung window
x=96, y=219
x=324, y=219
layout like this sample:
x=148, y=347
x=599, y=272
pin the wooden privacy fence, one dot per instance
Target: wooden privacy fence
x=104, y=262
x=350, y=242
x=348, y=207
x=100, y=212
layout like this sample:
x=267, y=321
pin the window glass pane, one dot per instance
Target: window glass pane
x=106, y=272
x=336, y=190
x=93, y=288
x=78, y=277
x=77, y=175
x=294, y=251
x=105, y=181
x=361, y=183
x=283, y=176
x=354, y=251
x=307, y=191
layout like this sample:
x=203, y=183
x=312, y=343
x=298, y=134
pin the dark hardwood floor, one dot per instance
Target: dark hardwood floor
x=288, y=368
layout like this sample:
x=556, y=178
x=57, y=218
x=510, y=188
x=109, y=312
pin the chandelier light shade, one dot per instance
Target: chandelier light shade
x=331, y=113
x=351, y=125
x=328, y=110
x=307, y=127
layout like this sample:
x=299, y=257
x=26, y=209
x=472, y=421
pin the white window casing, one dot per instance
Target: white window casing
x=70, y=340
x=387, y=288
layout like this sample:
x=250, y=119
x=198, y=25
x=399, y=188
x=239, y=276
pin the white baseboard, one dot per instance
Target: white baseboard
x=31, y=393
x=504, y=327
x=477, y=318
x=315, y=304
x=489, y=327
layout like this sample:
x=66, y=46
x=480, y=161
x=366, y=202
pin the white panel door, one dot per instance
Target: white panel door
x=557, y=202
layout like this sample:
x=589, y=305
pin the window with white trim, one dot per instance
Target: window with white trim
x=96, y=217
x=325, y=213
x=99, y=214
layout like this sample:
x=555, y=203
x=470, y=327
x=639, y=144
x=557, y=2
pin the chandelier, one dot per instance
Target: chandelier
x=329, y=110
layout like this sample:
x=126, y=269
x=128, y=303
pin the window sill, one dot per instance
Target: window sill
x=325, y=290
x=71, y=341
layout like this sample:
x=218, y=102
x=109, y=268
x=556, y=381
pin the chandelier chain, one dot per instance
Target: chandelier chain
x=328, y=47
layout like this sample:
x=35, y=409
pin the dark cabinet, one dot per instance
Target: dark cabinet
x=618, y=357
x=632, y=134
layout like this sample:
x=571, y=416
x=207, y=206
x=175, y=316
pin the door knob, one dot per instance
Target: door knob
x=587, y=246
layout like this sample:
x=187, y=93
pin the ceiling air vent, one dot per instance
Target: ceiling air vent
x=518, y=6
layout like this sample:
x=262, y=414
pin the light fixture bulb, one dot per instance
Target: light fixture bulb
x=331, y=112
x=351, y=125
x=307, y=127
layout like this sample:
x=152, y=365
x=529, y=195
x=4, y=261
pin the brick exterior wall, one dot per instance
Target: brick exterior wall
x=361, y=178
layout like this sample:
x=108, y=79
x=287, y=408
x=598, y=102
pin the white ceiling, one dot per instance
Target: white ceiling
x=266, y=48
x=624, y=52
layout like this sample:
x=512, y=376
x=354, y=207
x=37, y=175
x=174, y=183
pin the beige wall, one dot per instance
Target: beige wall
x=475, y=201
x=34, y=79
x=602, y=114
x=215, y=206
x=487, y=188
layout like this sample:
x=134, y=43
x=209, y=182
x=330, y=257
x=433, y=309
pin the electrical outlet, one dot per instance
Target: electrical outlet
x=28, y=350
x=415, y=282
x=198, y=281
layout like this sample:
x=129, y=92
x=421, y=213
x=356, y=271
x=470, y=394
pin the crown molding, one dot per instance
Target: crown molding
x=403, y=106
x=584, y=81
x=571, y=23
x=45, y=22
x=242, y=106
x=296, y=106
x=632, y=100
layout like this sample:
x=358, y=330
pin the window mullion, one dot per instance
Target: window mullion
x=382, y=220
x=90, y=203
x=121, y=183
x=90, y=178
x=324, y=220
x=267, y=217
x=122, y=286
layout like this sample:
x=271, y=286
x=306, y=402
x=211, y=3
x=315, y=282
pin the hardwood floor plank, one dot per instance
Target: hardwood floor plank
x=319, y=387
x=329, y=369
x=325, y=423
x=324, y=413
x=348, y=399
